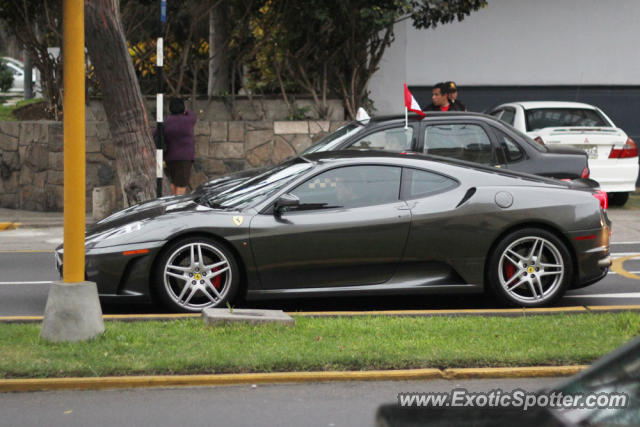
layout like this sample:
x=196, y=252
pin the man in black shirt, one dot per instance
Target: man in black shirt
x=452, y=92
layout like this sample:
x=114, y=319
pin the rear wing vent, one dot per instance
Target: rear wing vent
x=470, y=192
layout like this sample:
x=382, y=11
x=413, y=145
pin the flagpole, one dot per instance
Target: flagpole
x=406, y=118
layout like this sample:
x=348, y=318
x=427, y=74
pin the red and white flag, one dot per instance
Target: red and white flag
x=411, y=103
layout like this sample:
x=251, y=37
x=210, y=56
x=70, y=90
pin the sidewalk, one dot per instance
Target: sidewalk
x=626, y=222
x=35, y=219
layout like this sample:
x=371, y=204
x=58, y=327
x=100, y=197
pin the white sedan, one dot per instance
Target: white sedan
x=613, y=156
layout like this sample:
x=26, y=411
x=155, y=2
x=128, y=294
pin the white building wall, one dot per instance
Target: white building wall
x=516, y=42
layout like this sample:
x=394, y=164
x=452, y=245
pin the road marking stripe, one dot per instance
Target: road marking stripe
x=623, y=254
x=625, y=243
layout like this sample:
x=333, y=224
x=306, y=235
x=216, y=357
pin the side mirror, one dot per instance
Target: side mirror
x=284, y=201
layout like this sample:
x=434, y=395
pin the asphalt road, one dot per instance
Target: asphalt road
x=316, y=404
x=27, y=269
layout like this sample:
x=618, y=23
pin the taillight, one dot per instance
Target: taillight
x=629, y=149
x=539, y=140
x=602, y=197
x=585, y=173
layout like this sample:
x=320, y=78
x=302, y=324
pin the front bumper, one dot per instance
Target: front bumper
x=119, y=276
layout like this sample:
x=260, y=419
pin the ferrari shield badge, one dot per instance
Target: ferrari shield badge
x=237, y=220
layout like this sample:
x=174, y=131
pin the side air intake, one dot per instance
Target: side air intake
x=470, y=192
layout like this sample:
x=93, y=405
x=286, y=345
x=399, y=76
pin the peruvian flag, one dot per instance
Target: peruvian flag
x=410, y=102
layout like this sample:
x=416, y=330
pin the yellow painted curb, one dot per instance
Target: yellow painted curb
x=9, y=225
x=520, y=372
x=426, y=313
x=97, y=383
x=462, y=312
x=613, y=307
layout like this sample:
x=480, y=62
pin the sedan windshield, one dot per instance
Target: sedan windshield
x=331, y=141
x=539, y=118
x=258, y=188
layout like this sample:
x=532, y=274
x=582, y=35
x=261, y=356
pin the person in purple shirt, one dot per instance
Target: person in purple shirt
x=179, y=144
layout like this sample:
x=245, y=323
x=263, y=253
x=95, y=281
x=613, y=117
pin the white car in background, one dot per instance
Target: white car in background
x=613, y=156
x=17, y=68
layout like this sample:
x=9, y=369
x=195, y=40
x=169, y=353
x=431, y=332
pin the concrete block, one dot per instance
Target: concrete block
x=236, y=131
x=73, y=312
x=219, y=131
x=293, y=127
x=222, y=316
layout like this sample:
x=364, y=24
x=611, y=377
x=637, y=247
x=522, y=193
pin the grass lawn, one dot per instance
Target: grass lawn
x=6, y=112
x=360, y=343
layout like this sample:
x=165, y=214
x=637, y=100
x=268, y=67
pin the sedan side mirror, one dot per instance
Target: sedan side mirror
x=284, y=201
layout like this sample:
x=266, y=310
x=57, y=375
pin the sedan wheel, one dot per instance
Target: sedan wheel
x=194, y=274
x=530, y=268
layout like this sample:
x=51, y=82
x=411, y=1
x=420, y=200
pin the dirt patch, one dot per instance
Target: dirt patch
x=36, y=111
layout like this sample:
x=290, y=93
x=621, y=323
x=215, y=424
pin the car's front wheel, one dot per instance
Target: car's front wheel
x=195, y=273
x=529, y=268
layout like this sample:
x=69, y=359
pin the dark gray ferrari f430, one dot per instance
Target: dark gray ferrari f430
x=356, y=223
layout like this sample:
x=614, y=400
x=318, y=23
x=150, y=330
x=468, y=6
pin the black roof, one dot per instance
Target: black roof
x=333, y=156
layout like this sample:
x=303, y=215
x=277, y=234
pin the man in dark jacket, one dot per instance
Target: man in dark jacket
x=452, y=92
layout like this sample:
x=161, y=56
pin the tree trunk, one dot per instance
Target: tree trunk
x=219, y=70
x=123, y=104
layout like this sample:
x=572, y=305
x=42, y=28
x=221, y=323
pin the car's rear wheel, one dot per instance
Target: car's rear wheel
x=529, y=268
x=196, y=273
x=617, y=199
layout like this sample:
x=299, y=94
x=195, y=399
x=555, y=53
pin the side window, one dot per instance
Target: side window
x=508, y=116
x=396, y=139
x=512, y=151
x=460, y=141
x=350, y=187
x=419, y=183
x=497, y=113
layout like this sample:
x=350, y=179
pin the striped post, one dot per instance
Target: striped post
x=160, y=97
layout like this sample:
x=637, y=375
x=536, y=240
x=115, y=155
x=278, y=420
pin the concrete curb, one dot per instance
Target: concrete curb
x=509, y=312
x=100, y=383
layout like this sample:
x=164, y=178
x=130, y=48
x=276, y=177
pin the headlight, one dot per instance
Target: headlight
x=127, y=228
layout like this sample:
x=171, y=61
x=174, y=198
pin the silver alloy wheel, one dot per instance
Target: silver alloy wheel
x=531, y=269
x=197, y=275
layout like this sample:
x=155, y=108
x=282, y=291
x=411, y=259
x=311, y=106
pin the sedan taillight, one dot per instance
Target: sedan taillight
x=602, y=197
x=629, y=149
x=585, y=173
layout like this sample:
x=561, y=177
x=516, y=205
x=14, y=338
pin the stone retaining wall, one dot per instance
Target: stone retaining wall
x=31, y=158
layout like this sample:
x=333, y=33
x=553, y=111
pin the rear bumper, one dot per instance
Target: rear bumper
x=615, y=175
x=592, y=254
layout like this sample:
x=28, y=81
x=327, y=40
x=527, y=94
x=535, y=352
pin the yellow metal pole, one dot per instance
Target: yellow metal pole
x=74, y=141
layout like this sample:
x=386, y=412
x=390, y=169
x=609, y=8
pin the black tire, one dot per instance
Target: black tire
x=211, y=282
x=519, y=275
x=618, y=199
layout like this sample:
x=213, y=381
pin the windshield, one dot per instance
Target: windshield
x=539, y=118
x=258, y=188
x=330, y=141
